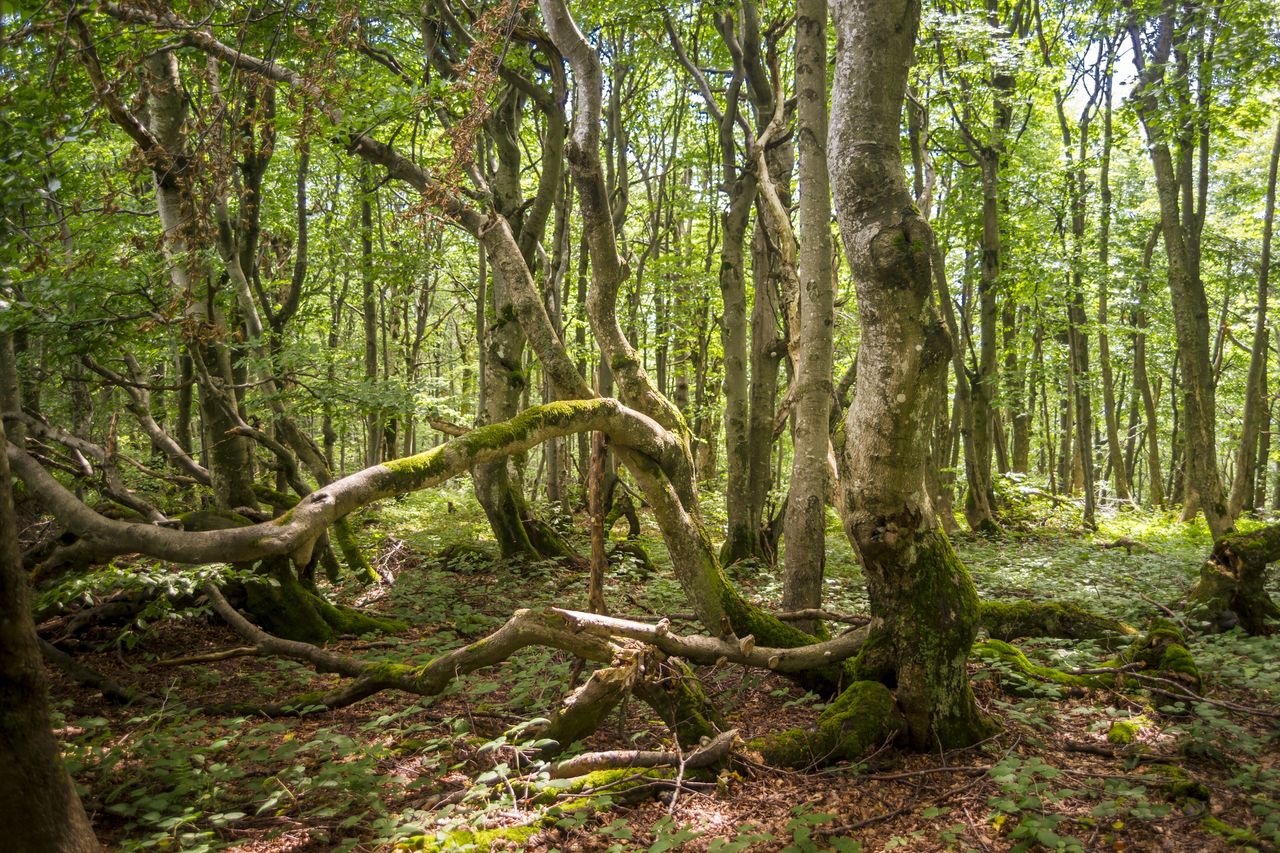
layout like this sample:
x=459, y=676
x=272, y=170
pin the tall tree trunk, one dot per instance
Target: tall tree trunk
x=369, y=309
x=38, y=802
x=11, y=389
x=1119, y=466
x=230, y=455
x=805, y=529
x=923, y=603
x=1186, y=290
x=980, y=497
x=1254, y=404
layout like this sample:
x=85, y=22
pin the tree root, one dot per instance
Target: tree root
x=713, y=753
x=91, y=678
x=862, y=717
x=1009, y=620
x=288, y=609
x=1192, y=797
x=1161, y=649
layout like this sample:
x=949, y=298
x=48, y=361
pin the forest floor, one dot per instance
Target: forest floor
x=424, y=772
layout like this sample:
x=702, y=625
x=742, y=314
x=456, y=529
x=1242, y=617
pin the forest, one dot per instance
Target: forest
x=803, y=425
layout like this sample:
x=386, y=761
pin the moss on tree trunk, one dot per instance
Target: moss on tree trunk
x=288, y=609
x=861, y=718
x=1009, y=620
x=1232, y=588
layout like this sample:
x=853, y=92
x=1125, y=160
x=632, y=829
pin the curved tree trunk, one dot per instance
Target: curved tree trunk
x=924, y=605
x=38, y=802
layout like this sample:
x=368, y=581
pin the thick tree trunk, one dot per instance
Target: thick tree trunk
x=38, y=802
x=805, y=530
x=923, y=603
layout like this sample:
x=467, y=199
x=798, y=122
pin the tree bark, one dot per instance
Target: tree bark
x=1119, y=463
x=1186, y=290
x=805, y=529
x=1254, y=402
x=924, y=605
x=38, y=802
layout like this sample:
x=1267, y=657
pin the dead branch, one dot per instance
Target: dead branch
x=714, y=752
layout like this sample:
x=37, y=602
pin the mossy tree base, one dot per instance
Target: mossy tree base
x=281, y=604
x=288, y=609
x=1232, y=589
x=861, y=718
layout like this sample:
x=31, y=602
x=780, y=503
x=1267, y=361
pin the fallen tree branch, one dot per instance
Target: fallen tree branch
x=712, y=650
x=210, y=657
x=89, y=677
x=714, y=752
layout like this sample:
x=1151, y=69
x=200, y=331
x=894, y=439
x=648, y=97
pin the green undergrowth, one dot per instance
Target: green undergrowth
x=174, y=778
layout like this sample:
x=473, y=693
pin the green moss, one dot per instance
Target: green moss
x=771, y=632
x=862, y=717
x=612, y=781
x=677, y=696
x=1162, y=651
x=1241, y=837
x=998, y=650
x=1124, y=732
x=204, y=519
x=1177, y=785
x=931, y=622
x=412, y=472
x=357, y=564
x=1009, y=620
x=288, y=609
x=478, y=839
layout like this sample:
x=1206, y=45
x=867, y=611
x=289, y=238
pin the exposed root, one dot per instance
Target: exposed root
x=862, y=717
x=1009, y=620
x=91, y=678
x=1160, y=650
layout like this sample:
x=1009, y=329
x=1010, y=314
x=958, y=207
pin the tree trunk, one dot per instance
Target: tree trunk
x=1254, y=402
x=805, y=529
x=923, y=603
x=980, y=497
x=1186, y=290
x=1119, y=464
x=369, y=307
x=38, y=802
